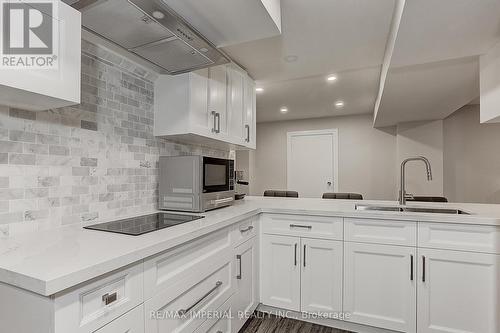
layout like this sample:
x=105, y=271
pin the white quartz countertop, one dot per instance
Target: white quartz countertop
x=49, y=261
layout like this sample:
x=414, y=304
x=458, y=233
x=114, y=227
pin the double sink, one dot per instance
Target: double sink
x=412, y=209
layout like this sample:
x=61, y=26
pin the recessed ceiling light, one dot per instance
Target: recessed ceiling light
x=259, y=89
x=291, y=58
x=339, y=104
x=158, y=15
x=283, y=109
x=331, y=78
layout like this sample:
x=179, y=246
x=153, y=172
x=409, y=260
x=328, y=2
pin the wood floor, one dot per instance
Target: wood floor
x=264, y=323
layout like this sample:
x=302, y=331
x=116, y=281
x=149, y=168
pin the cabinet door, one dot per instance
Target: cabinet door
x=235, y=104
x=131, y=322
x=247, y=288
x=201, y=120
x=217, y=103
x=280, y=276
x=321, y=285
x=249, y=117
x=380, y=285
x=458, y=292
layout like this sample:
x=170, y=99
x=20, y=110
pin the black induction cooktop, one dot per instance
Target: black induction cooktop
x=143, y=224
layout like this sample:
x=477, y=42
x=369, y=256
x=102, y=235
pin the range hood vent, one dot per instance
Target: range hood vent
x=151, y=30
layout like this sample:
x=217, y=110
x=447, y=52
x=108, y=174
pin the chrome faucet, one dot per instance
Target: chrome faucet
x=402, y=190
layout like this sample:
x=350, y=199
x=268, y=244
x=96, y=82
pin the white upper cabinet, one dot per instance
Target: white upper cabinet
x=43, y=89
x=249, y=113
x=206, y=106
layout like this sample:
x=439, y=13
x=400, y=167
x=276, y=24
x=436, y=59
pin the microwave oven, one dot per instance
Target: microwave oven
x=195, y=183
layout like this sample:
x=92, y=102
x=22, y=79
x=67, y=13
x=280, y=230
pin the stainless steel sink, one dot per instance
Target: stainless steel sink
x=412, y=209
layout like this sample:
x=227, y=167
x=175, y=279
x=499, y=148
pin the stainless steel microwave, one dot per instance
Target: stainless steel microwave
x=195, y=183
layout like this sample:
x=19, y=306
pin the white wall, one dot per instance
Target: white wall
x=489, y=77
x=367, y=156
x=421, y=139
x=471, y=158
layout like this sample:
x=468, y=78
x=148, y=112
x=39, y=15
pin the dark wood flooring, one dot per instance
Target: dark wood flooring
x=264, y=323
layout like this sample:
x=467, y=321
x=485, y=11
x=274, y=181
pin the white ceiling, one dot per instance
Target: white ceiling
x=432, y=73
x=314, y=97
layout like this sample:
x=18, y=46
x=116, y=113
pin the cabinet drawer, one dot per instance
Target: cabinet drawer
x=244, y=230
x=476, y=238
x=163, y=270
x=86, y=308
x=221, y=323
x=301, y=225
x=131, y=322
x=194, y=295
x=392, y=232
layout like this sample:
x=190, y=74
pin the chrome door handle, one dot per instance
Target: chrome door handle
x=304, y=255
x=423, y=268
x=295, y=255
x=250, y=227
x=184, y=311
x=411, y=267
x=301, y=226
x=217, y=116
x=238, y=257
x=248, y=133
x=214, y=128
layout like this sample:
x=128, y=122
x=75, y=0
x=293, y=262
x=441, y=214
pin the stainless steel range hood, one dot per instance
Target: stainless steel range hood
x=151, y=30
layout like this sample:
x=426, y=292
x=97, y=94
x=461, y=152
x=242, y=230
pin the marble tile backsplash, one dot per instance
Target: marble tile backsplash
x=90, y=162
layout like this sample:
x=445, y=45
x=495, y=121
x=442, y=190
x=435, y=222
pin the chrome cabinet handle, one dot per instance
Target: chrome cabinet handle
x=217, y=116
x=304, y=255
x=109, y=298
x=423, y=268
x=301, y=226
x=214, y=128
x=411, y=267
x=238, y=257
x=295, y=255
x=248, y=133
x=184, y=311
x=250, y=227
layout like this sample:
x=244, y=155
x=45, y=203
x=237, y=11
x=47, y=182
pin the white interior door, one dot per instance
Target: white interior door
x=312, y=162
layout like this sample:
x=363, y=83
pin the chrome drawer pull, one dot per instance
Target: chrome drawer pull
x=238, y=257
x=109, y=298
x=184, y=311
x=301, y=226
x=250, y=227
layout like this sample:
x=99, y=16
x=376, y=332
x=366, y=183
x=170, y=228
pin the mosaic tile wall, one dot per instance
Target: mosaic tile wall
x=89, y=162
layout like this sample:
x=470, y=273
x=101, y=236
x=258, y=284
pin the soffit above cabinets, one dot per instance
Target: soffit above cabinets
x=434, y=69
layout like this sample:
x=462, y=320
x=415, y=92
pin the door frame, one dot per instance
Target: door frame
x=332, y=131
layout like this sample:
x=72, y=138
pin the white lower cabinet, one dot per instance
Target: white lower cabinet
x=280, y=275
x=246, y=298
x=220, y=322
x=321, y=276
x=131, y=322
x=195, y=295
x=380, y=285
x=302, y=274
x=458, y=292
